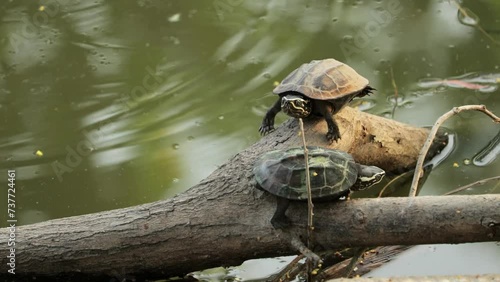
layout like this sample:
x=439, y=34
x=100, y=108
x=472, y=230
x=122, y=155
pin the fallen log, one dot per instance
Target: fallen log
x=185, y=234
x=224, y=220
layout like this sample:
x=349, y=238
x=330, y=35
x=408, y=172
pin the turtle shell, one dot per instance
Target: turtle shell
x=283, y=173
x=323, y=80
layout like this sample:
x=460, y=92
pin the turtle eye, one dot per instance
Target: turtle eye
x=300, y=104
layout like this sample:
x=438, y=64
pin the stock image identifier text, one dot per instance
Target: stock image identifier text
x=11, y=214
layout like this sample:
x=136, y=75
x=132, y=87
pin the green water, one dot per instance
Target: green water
x=130, y=102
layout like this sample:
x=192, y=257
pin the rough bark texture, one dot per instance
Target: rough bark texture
x=224, y=220
x=371, y=139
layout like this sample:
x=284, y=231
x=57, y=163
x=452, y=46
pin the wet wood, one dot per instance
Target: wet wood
x=370, y=260
x=224, y=220
x=448, y=278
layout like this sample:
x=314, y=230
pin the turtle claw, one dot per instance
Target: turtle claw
x=316, y=261
x=332, y=136
x=265, y=129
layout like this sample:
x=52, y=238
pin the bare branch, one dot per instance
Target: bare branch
x=423, y=152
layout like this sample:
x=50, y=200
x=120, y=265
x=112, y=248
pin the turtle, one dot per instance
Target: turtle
x=319, y=88
x=333, y=174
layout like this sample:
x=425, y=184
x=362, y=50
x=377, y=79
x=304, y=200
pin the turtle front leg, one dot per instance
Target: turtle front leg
x=279, y=219
x=268, y=121
x=333, y=133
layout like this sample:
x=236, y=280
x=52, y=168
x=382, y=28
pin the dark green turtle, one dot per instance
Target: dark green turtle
x=320, y=88
x=333, y=173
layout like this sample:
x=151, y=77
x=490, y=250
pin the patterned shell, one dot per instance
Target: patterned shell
x=323, y=80
x=282, y=173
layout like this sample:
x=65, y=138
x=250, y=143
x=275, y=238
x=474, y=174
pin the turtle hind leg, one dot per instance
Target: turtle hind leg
x=310, y=255
x=268, y=121
x=279, y=219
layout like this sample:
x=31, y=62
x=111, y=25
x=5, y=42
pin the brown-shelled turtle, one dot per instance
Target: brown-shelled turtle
x=333, y=174
x=320, y=88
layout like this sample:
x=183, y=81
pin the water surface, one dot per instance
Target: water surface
x=109, y=104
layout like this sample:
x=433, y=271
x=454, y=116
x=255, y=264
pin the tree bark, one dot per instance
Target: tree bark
x=224, y=220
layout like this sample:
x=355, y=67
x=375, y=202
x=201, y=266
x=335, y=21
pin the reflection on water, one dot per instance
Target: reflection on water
x=489, y=153
x=132, y=102
x=473, y=81
x=453, y=260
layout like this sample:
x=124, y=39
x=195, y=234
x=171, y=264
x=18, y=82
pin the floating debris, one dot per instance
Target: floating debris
x=39, y=153
x=175, y=18
x=473, y=81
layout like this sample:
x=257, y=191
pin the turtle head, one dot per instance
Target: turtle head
x=296, y=106
x=367, y=176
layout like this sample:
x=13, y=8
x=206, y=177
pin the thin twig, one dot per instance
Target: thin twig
x=479, y=182
x=423, y=152
x=395, y=94
x=310, y=206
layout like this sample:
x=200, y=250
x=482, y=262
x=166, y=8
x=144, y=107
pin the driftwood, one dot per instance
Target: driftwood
x=224, y=220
